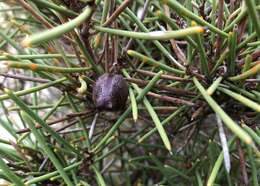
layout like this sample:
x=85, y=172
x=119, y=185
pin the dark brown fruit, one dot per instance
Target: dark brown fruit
x=110, y=92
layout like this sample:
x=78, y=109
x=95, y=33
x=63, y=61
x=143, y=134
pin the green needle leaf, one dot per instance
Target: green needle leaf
x=226, y=119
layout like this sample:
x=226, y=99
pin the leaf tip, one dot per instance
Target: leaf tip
x=26, y=43
x=130, y=52
x=201, y=29
x=158, y=13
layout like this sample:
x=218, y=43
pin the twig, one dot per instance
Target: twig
x=25, y=78
x=176, y=101
x=117, y=12
x=242, y=164
x=34, y=13
x=176, y=91
x=219, y=25
x=143, y=13
x=164, y=76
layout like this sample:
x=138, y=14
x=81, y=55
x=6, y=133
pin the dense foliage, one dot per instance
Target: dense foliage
x=192, y=110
